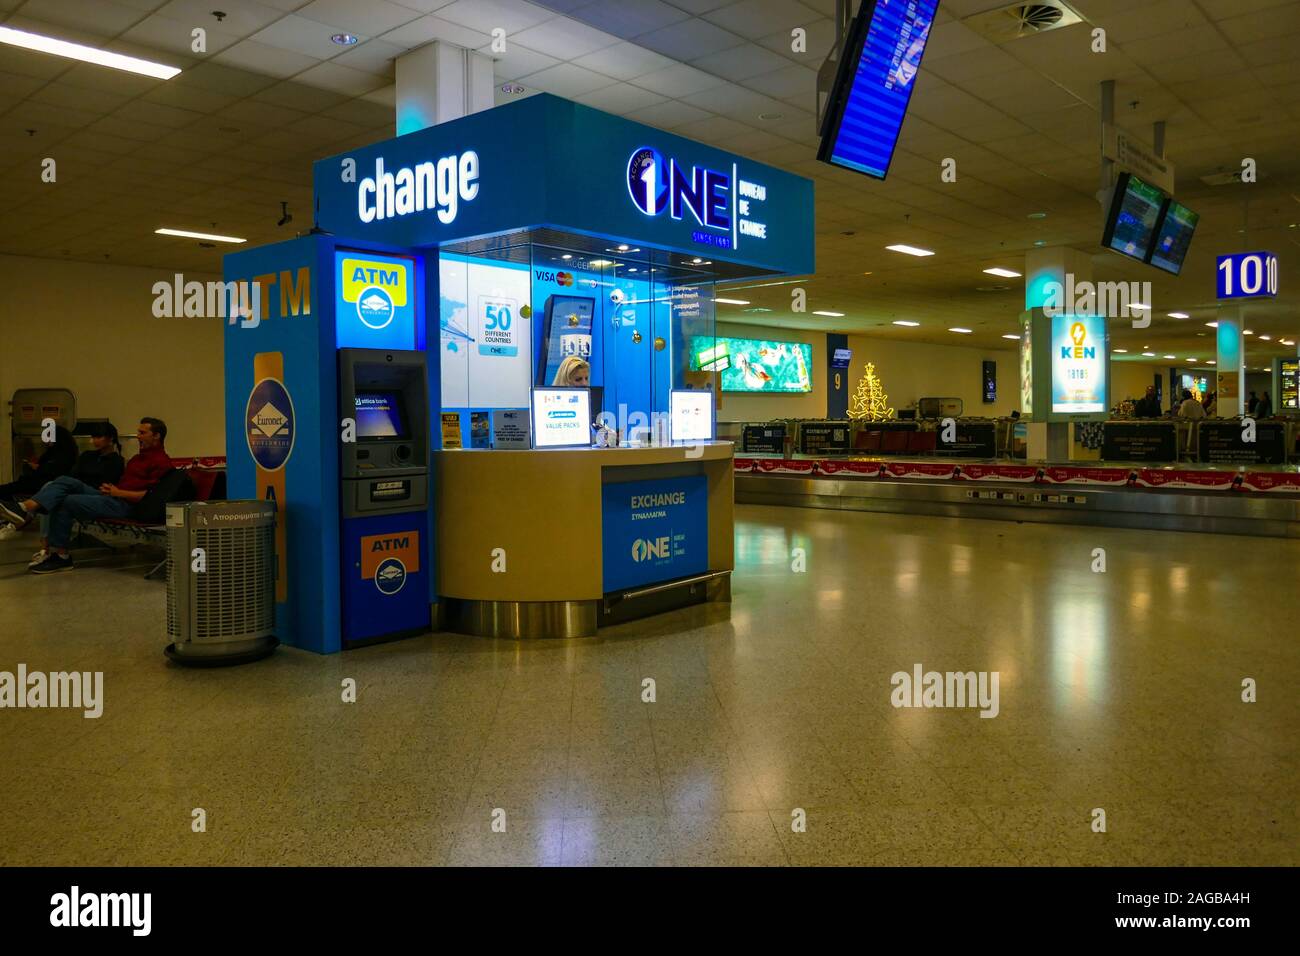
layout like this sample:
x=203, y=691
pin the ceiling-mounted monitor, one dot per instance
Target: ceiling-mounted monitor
x=1172, y=237
x=877, y=72
x=1131, y=222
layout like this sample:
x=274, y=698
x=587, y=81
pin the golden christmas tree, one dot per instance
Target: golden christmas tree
x=869, y=401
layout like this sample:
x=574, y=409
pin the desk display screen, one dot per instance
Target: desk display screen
x=1173, y=236
x=874, y=84
x=380, y=415
x=1131, y=225
x=690, y=415
x=561, y=418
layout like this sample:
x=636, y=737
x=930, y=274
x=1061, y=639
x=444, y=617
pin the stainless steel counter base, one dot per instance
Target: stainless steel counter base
x=1174, y=510
x=529, y=620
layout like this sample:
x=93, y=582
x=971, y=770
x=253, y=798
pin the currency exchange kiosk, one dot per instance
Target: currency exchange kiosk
x=383, y=392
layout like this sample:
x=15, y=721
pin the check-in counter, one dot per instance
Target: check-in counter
x=555, y=543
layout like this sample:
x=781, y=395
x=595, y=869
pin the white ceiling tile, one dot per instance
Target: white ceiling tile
x=425, y=30
x=174, y=36
x=372, y=56
x=818, y=41
x=731, y=100
x=624, y=61
x=629, y=18
x=620, y=99
x=566, y=79
x=677, y=80
x=241, y=18
x=689, y=40
x=223, y=79
x=789, y=81
x=564, y=38
x=756, y=18
x=188, y=97
x=297, y=95
x=742, y=62
x=362, y=19
x=341, y=79
x=300, y=35
x=484, y=16
x=270, y=61
x=101, y=16
x=668, y=115
x=518, y=61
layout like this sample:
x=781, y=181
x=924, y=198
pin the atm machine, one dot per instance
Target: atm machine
x=384, y=477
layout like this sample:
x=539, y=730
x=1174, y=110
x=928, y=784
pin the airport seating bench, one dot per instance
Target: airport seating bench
x=207, y=482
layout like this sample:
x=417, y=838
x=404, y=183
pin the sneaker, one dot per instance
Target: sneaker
x=7, y=531
x=52, y=563
x=38, y=557
x=15, y=514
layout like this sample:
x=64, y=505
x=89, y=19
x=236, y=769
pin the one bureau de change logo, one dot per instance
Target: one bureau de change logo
x=270, y=424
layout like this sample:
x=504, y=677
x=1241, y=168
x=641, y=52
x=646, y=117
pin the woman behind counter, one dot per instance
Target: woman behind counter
x=573, y=373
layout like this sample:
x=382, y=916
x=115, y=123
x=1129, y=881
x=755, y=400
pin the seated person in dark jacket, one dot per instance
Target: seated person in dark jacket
x=102, y=465
x=67, y=500
x=56, y=461
x=1148, y=406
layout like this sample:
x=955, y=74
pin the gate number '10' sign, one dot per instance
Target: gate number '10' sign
x=1247, y=274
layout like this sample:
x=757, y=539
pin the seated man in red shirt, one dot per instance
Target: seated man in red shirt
x=68, y=499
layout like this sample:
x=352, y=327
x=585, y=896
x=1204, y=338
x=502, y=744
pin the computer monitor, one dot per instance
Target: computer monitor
x=690, y=415
x=561, y=418
x=380, y=416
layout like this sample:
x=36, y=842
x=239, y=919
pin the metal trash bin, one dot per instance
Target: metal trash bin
x=224, y=613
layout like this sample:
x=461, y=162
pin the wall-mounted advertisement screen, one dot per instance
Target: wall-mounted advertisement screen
x=874, y=84
x=759, y=365
x=1134, y=211
x=690, y=415
x=1078, y=364
x=1290, y=389
x=561, y=418
x=1173, y=237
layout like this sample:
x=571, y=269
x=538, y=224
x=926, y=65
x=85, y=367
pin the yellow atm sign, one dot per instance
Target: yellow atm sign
x=360, y=275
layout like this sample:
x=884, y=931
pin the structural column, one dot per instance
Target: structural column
x=1230, y=364
x=441, y=82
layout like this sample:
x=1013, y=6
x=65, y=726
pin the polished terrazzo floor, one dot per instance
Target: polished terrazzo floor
x=1119, y=691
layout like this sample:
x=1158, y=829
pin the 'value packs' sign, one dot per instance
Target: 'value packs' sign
x=654, y=530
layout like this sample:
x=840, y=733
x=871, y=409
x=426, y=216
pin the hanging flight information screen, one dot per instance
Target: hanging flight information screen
x=1131, y=225
x=876, y=77
x=1173, y=237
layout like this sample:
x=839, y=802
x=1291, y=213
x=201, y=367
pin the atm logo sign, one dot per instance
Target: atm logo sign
x=382, y=553
x=362, y=275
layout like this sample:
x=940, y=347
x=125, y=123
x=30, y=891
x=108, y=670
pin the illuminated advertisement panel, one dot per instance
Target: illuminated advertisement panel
x=1078, y=364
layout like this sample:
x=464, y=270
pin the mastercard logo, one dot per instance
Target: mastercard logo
x=564, y=278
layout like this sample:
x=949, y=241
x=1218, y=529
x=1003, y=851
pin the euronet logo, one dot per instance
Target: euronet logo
x=426, y=187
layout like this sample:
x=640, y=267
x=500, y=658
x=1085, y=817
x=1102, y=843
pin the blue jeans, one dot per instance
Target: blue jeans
x=68, y=499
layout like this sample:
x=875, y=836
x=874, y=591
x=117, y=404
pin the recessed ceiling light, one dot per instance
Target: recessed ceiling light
x=184, y=234
x=1248, y=332
x=1266, y=338
x=771, y=116
x=566, y=256
x=87, y=54
x=597, y=263
x=910, y=325
x=1212, y=325
x=1288, y=342
x=1040, y=242
x=1190, y=359
x=512, y=88
x=345, y=39
x=1125, y=351
x=1149, y=354
x=1038, y=215
x=909, y=250
x=1211, y=362
x=866, y=273
x=623, y=247
x=958, y=328
x=1011, y=337
x=732, y=301
x=1179, y=315
x=834, y=315
x=1004, y=273
x=696, y=261
x=1171, y=356
x=1140, y=306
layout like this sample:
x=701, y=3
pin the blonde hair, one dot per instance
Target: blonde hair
x=570, y=367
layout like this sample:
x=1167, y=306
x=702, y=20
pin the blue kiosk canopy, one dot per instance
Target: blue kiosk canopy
x=549, y=162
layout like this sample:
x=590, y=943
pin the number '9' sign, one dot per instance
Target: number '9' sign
x=1247, y=274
